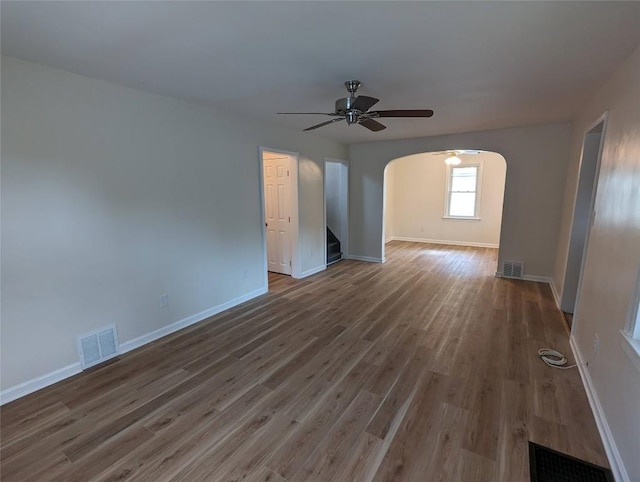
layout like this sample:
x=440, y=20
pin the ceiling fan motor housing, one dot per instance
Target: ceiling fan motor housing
x=344, y=105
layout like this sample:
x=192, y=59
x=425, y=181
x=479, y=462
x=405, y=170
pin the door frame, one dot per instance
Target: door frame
x=344, y=244
x=602, y=119
x=294, y=157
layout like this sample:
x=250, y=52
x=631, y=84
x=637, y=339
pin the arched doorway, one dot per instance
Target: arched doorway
x=429, y=199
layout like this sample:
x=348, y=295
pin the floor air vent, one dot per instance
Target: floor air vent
x=512, y=269
x=546, y=465
x=98, y=346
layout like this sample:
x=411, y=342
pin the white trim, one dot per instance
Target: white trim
x=604, y=119
x=443, y=241
x=536, y=278
x=463, y=218
x=30, y=386
x=55, y=376
x=368, y=259
x=296, y=262
x=531, y=277
x=449, y=180
x=188, y=321
x=554, y=291
x=313, y=271
x=631, y=347
x=617, y=465
x=632, y=326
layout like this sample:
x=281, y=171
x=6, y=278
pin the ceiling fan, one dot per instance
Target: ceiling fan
x=355, y=110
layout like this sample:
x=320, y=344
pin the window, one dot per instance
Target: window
x=462, y=192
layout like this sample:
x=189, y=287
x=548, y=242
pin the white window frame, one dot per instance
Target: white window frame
x=449, y=180
x=631, y=333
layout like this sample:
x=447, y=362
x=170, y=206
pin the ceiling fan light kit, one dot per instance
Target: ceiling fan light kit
x=355, y=110
x=453, y=160
x=453, y=156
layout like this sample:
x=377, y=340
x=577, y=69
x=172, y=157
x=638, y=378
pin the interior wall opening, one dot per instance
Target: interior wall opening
x=452, y=197
x=336, y=189
x=279, y=175
x=583, y=213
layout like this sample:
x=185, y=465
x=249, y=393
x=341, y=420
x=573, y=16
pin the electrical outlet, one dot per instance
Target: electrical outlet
x=596, y=344
x=164, y=300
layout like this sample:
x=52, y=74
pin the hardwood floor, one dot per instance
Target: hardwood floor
x=424, y=368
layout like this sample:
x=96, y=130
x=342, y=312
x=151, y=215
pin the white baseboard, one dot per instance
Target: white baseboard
x=556, y=296
x=55, y=376
x=311, y=271
x=442, y=241
x=25, y=388
x=617, y=466
x=527, y=277
x=185, y=322
x=368, y=259
x=538, y=279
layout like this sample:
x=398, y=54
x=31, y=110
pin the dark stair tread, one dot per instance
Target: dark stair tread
x=334, y=251
x=334, y=257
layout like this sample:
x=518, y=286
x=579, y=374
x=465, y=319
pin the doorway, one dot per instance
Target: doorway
x=583, y=213
x=280, y=210
x=336, y=190
x=453, y=197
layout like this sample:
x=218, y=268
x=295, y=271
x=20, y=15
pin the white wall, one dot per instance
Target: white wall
x=419, y=198
x=112, y=196
x=612, y=259
x=536, y=160
x=389, y=199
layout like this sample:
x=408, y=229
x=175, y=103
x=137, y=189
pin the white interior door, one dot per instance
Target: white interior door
x=277, y=192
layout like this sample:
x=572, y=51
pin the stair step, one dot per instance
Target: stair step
x=334, y=257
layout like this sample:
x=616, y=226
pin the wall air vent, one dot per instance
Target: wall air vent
x=512, y=269
x=98, y=346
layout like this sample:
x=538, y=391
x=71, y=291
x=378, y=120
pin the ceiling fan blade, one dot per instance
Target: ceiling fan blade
x=404, y=113
x=372, y=125
x=364, y=103
x=323, y=124
x=308, y=113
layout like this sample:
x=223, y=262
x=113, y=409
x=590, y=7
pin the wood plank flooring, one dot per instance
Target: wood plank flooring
x=423, y=368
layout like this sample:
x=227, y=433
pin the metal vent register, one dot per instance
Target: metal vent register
x=546, y=465
x=512, y=269
x=98, y=346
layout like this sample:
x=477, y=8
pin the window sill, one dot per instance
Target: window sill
x=632, y=348
x=462, y=218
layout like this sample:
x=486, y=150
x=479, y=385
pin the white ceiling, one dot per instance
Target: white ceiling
x=478, y=65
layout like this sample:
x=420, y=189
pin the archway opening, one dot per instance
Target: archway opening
x=452, y=197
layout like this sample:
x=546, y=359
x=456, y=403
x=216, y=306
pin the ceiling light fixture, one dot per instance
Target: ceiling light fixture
x=453, y=159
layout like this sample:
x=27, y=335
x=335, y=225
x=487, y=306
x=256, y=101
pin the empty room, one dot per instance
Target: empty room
x=320, y=241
